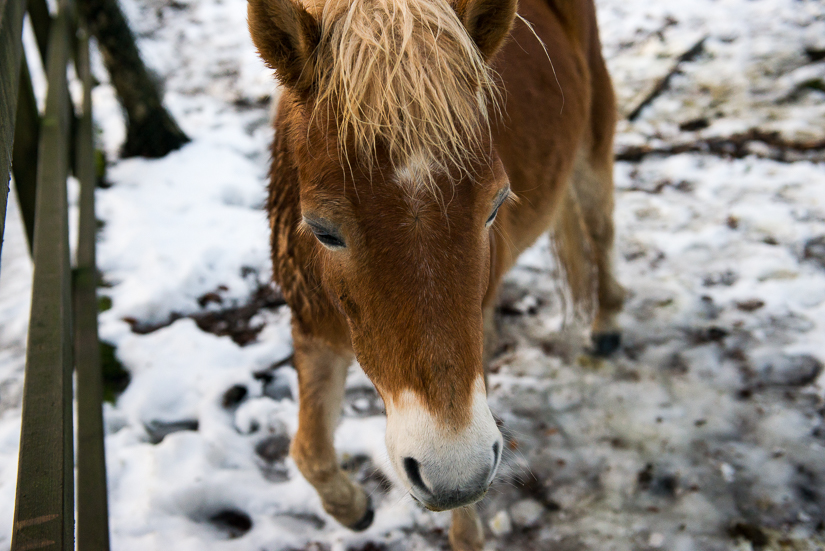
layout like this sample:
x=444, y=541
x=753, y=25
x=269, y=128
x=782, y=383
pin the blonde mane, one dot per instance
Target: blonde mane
x=406, y=75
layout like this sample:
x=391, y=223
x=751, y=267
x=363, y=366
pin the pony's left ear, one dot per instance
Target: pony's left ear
x=488, y=22
x=286, y=36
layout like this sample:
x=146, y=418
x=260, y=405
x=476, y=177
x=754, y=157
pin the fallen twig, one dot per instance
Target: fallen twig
x=664, y=83
x=736, y=146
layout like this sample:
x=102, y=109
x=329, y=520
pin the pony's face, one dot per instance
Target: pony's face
x=401, y=230
x=410, y=270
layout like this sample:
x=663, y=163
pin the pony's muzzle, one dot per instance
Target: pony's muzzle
x=447, y=492
x=443, y=467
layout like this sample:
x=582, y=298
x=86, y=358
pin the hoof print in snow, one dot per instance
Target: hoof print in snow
x=605, y=344
x=234, y=396
x=677, y=365
x=369, y=546
x=533, y=489
x=706, y=335
x=694, y=125
x=808, y=484
x=527, y=305
x=749, y=532
x=814, y=54
x=273, y=450
x=277, y=387
x=659, y=484
x=725, y=279
x=158, y=430
x=311, y=546
x=750, y=305
x=232, y=522
x=364, y=471
x=815, y=250
x=786, y=370
x=276, y=384
x=645, y=477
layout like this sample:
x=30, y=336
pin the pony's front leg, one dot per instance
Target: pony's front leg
x=466, y=533
x=322, y=372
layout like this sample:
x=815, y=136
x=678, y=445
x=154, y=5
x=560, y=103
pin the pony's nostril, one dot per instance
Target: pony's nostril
x=413, y=471
x=496, y=458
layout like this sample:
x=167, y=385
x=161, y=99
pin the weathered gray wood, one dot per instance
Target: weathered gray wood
x=41, y=22
x=11, y=47
x=92, y=512
x=44, y=506
x=24, y=153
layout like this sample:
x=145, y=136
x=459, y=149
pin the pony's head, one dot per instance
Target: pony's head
x=399, y=186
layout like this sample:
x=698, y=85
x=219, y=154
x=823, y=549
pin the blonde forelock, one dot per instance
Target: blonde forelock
x=403, y=75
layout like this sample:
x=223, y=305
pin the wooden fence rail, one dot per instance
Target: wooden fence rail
x=92, y=503
x=41, y=150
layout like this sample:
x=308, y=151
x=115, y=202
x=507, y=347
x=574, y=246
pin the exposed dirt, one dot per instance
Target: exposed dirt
x=237, y=322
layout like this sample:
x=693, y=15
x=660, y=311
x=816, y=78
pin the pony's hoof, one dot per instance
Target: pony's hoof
x=605, y=344
x=366, y=520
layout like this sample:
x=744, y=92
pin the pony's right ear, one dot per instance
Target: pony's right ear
x=286, y=36
x=488, y=22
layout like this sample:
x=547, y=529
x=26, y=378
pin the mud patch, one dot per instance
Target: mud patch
x=240, y=323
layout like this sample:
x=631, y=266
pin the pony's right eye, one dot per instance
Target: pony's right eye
x=327, y=236
x=329, y=240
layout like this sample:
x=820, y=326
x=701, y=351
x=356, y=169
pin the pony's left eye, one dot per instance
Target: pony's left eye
x=500, y=199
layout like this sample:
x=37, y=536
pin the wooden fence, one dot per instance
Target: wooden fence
x=41, y=150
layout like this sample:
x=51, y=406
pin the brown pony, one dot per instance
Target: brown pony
x=420, y=147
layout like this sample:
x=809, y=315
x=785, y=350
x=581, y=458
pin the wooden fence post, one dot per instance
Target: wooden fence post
x=41, y=22
x=11, y=48
x=24, y=153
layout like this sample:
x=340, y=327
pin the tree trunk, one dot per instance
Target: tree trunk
x=150, y=129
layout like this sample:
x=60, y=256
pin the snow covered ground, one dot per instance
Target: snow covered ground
x=705, y=432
